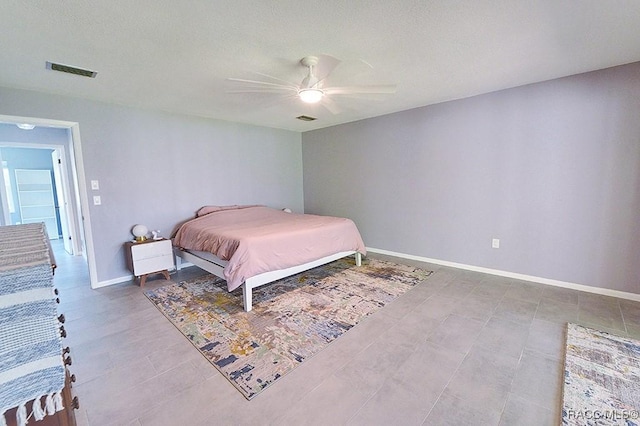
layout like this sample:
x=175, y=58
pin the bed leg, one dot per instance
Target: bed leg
x=358, y=259
x=178, y=262
x=246, y=297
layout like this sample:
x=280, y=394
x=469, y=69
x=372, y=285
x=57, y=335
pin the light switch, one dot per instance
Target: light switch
x=95, y=185
x=96, y=200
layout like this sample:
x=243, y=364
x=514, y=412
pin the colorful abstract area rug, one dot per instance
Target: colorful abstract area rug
x=601, y=378
x=292, y=319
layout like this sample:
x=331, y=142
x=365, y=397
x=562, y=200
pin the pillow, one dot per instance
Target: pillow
x=212, y=209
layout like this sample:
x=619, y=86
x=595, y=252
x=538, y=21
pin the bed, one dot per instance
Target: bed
x=250, y=246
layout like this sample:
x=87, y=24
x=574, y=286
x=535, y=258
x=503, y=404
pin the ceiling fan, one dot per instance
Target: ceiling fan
x=314, y=88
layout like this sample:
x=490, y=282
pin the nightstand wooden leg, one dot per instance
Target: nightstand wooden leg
x=166, y=274
x=143, y=279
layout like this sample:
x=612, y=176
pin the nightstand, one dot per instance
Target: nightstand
x=149, y=257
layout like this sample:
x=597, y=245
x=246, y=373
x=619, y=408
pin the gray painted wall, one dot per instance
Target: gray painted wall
x=551, y=169
x=158, y=168
x=40, y=135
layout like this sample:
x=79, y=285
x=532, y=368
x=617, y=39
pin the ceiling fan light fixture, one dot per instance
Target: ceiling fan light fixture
x=310, y=96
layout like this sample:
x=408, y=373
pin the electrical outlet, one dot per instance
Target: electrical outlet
x=95, y=185
x=495, y=243
x=96, y=200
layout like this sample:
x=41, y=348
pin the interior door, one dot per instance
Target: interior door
x=63, y=204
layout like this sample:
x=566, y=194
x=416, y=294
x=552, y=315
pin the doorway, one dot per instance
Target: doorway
x=67, y=171
x=35, y=190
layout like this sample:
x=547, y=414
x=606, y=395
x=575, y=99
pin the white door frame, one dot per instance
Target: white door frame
x=80, y=211
x=5, y=218
x=71, y=245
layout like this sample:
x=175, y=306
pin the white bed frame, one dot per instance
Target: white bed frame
x=215, y=265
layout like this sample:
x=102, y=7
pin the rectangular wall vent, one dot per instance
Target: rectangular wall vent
x=306, y=118
x=71, y=70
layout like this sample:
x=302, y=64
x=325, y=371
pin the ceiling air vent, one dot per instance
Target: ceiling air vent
x=306, y=118
x=71, y=70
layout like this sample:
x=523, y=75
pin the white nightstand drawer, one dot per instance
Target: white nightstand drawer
x=152, y=264
x=150, y=250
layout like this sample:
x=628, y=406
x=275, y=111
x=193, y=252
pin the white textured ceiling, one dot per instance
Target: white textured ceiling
x=175, y=55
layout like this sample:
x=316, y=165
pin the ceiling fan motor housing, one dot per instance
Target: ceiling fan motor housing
x=310, y=81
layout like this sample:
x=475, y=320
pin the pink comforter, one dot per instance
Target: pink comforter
x=259, y=239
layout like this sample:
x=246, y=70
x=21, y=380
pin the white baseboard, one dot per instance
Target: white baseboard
x=123, y=279
x=556, y=283
x=113, y=281
x=507, y=274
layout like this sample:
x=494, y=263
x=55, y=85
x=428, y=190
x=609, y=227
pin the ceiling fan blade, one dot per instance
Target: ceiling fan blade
x=256, y=83
x=350, y=70
x=288, y=83
x=253, y=101
x=373, y=89
x=258, y=90
x=326, y=65
x=331, y=106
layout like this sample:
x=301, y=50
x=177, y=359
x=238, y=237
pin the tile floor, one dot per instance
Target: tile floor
x=461, y=348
